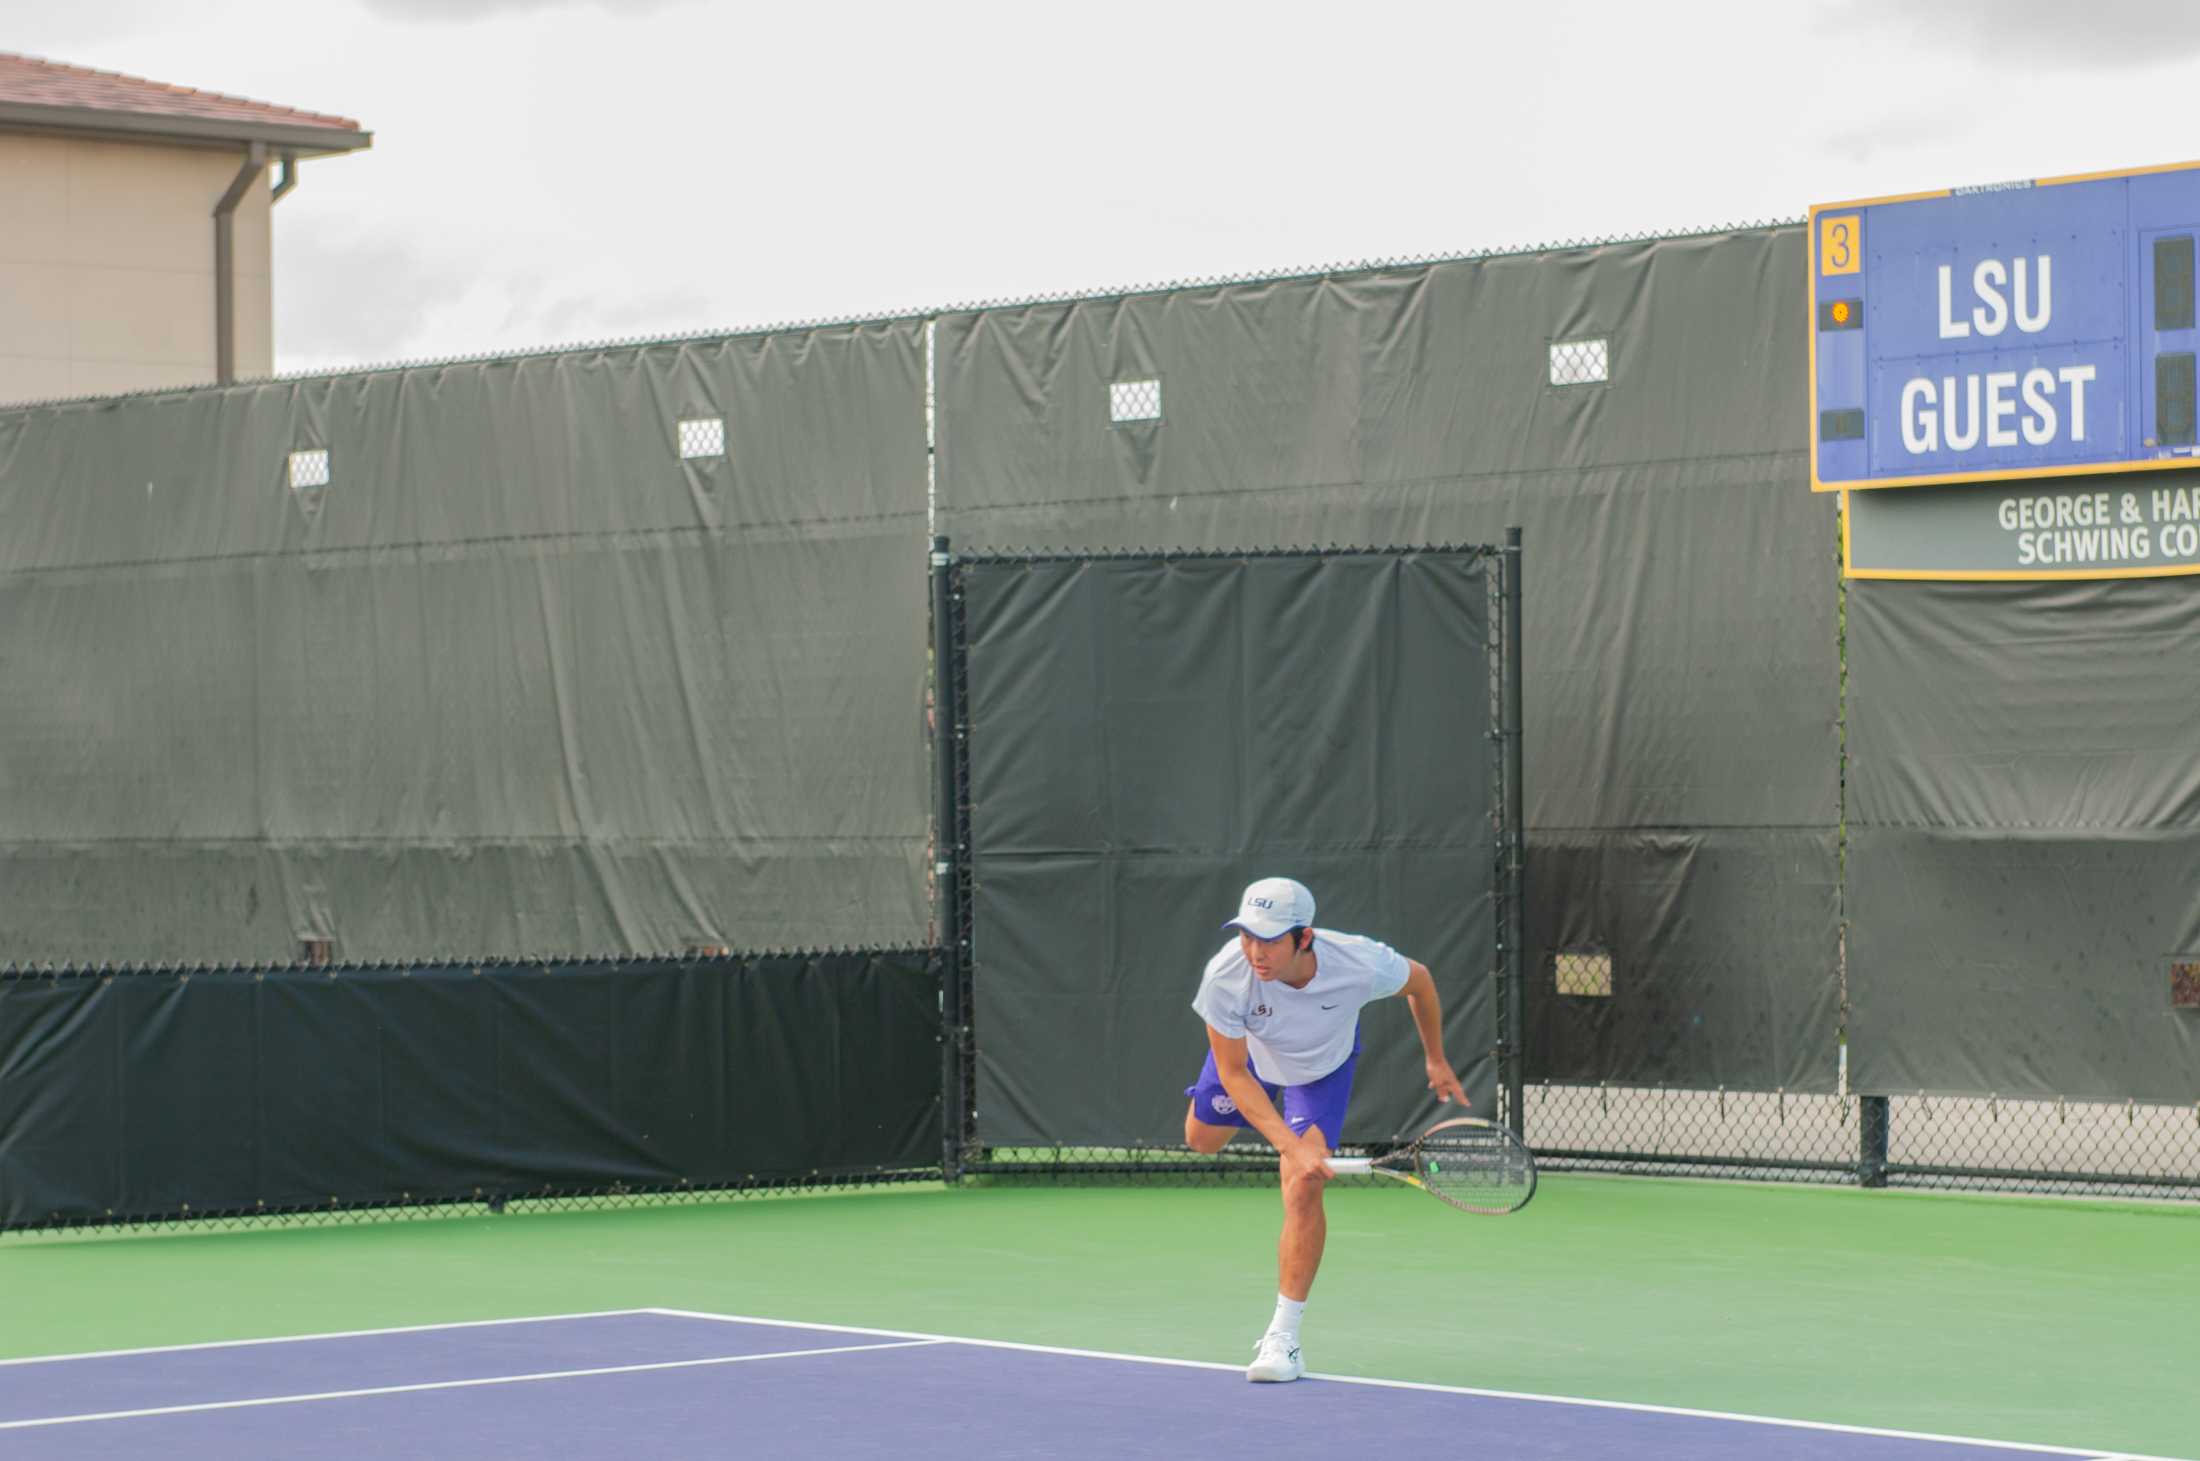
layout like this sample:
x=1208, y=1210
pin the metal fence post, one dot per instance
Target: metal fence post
x=1871, y=1138
x=1514, y=853
x=947, y=860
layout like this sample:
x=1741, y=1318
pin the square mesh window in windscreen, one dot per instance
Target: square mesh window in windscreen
x=1580, y=362
x=2175, y=416
x=2184, y=984
x=702, y=436
x=2173, y=297
x=1134, y=400
x=309, y=468
x=1584, y=972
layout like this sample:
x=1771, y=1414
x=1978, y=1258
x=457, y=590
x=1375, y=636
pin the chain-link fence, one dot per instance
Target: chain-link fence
x=1971, y=1143
x=1980, y=1144
x=1715, y=1133
x=2122, y=1149
x=2101, y=1148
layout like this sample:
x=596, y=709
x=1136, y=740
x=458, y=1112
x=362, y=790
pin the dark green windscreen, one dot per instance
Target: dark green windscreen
x=2024, y=865
x=247, y=1091
x=1682, y=704
x=1146, y=737
x=520, y=679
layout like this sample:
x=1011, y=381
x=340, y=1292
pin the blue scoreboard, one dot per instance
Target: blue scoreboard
x=2030, y=329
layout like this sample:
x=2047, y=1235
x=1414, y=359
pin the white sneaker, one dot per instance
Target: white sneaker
x=1276, y=1359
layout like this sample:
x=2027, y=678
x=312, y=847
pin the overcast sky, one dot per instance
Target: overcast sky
x=558, y=171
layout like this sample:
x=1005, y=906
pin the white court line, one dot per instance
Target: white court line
x=2016, y=1446
x=731, y=1359
x=2079, y=1454
x=111, y=1354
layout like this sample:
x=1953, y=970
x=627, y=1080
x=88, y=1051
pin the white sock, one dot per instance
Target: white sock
x=1288, y=1312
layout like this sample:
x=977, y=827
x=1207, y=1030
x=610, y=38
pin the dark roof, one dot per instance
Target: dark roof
x=50, y=96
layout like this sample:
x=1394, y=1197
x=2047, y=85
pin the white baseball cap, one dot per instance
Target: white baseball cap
x=1274, y=906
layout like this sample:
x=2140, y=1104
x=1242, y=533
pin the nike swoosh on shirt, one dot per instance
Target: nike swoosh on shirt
x=1328, y=1006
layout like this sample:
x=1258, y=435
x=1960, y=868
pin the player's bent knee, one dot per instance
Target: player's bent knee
x=1201, y=1137
x=1303, y=1189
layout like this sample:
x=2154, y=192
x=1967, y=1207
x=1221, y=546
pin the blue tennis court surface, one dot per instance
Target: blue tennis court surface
x=662, y=1382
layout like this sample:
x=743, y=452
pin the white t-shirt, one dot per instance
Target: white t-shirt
x=1299, y=1035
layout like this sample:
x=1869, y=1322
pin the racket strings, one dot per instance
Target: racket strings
x=1481, y=1173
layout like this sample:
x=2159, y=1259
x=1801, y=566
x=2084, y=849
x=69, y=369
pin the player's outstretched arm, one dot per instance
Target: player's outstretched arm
x=1231, y=1065
x=1428, y=1019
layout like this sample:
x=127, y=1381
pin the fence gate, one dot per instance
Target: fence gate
x=1126, y=740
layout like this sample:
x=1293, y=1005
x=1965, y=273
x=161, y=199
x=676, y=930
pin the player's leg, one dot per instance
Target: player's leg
x=1201, y=1137
x=1212, y=1117
x=1305, y=1229
x=1316, y=1112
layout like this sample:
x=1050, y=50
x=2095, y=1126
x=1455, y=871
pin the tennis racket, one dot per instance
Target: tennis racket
x=1475, y=1165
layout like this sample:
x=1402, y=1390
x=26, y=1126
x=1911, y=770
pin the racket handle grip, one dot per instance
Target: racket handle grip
x=1352, y=1166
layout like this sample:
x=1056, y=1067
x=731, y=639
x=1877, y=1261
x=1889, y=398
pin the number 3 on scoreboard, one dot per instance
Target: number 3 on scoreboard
x=1838, y=251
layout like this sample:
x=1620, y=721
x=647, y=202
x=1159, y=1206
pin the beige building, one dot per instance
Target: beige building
x=135, y=229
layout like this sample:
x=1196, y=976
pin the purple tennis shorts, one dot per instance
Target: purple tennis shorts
x=1317, y=1103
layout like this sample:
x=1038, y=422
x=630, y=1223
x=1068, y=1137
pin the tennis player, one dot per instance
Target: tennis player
x=1282, y=1005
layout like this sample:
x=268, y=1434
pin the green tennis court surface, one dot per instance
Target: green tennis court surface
x=2058, y=1324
